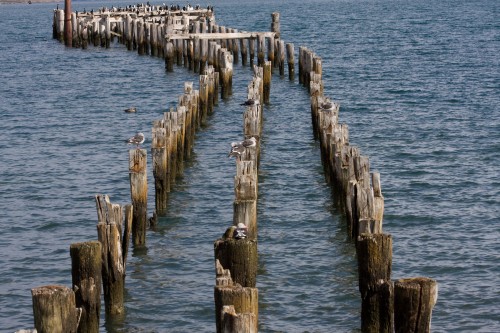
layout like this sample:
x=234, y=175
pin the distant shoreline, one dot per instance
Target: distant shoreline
x=7, y=2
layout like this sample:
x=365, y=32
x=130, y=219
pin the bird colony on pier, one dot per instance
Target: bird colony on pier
x=189, y=36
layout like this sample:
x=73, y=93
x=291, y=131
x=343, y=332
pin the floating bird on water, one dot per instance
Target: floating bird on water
x=251, y=102
x=137, y=139
x=131, y=110
x=238, y=148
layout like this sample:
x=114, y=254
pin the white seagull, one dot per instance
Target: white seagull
x=238, y=148
x=137, y=139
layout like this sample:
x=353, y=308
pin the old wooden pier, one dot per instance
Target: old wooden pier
x=191, y=38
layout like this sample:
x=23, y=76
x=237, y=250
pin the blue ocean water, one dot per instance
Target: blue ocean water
x=418, y=83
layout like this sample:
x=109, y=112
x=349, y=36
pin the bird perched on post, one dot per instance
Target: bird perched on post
x=251, y=102
x=238, y=148
x=137, y=139
x=241, y=231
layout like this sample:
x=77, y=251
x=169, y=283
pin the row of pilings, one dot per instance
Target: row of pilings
x=404, y=305
x=236, y=254
x=190, y=38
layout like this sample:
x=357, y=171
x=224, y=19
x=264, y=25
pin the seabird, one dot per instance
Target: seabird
x=326, y=105
x=131, y=110
x=238, y=148
x=251, y=102
x=137, y=139
x=241, y=231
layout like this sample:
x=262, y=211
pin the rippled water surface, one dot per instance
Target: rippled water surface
x=418, y=83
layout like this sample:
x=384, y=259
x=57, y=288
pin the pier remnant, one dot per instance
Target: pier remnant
x=54, y=309
x=113, y=231
x=139, y=194
x=86, y=264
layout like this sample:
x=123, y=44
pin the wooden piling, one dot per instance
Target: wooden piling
x=281, y=57
x=244, y=51
x=139, y=194
x=275, y=25
x=244, y=299
x=113, y=231
x=267, y=81
x=271, y=51
x=54, y=309
x=240, y=257
x=251, y=47
x=160, y=173
x=261, y=49
x=226, y=73
x=414, y=300
x=169, y=56
x=374, y=252
x=290, y=60
x=86, y=262
x=234, y=322
x=68, y=30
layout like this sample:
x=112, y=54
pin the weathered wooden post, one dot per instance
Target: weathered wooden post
x=374, y=253
x=86, y=263
x=267, y=81
x=113, y=232
x=414, y=300
x=169, y=56
x=203, y=98
x=281, y=57
x=68, y=30
x=240, y=257
x=275, y=25
x=271, y=50
x=244, y=51
x=251, y=46
x=261, y=49
x=244, y=299
x=245, y=188
x=226, y=73
x=54, y=309
x=139, y=194
x=160, y=173
x=233, y=322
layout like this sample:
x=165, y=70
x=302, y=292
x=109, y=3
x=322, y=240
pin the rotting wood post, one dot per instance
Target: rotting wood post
x=374, y=253
x=244, y=299
x=203, y=99
x=196, y=53
x=68, y=30
x=226, y=73
x=113, y=231
x=160, y=173
x=281, y=57
x=236, y=48
x=240, y=257
x=169, y=56
x=244, y=51
x=86, y=264
x=232, y=322
x=140, y=38
x=261, y=49
x=378, y=199
x=139, y=194
x=271, y=51
x=54, y=309
x=245, y=190
x=251, y=47
x=275, y=25
x=267, y=81
x=414, y=300
x=216, y=88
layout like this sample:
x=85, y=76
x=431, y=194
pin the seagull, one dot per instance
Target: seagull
x=238, y=147
x=326, y=105
x=241, y=231
x=251, y=102
x=137, y=139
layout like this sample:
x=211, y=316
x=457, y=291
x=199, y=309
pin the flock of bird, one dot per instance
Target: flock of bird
x=237, y=147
